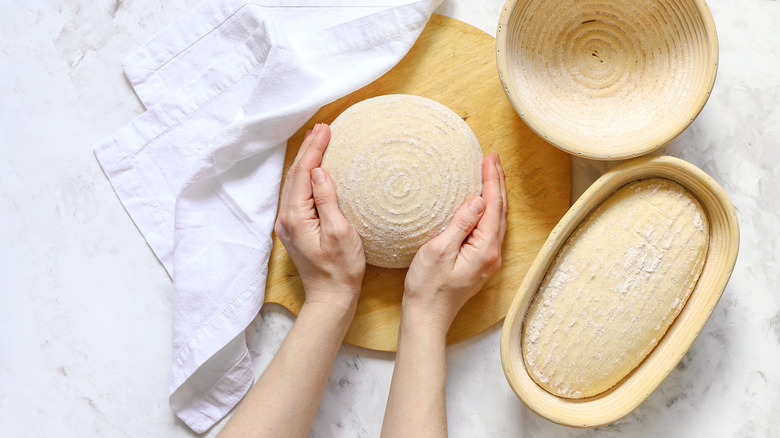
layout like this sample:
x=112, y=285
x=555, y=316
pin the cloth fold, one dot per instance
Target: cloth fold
x=199, y=172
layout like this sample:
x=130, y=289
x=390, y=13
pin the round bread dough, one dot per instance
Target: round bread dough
x=402, y=165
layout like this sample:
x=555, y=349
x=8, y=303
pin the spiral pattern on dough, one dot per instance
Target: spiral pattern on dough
x=609, y=74
x=402, y=165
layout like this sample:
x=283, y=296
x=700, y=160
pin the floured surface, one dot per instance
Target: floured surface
x=402, y=165
x=615, y=287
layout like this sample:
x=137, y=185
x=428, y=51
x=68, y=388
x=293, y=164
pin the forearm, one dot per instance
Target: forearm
x=416, y=406
x=284, y=400
x=445, y=273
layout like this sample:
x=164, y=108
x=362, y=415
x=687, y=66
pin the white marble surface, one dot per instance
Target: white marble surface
x=85, y=323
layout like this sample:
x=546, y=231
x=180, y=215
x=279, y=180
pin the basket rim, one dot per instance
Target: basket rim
x=629, y=149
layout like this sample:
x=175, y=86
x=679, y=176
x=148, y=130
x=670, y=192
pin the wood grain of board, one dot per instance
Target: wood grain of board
x=452, y=63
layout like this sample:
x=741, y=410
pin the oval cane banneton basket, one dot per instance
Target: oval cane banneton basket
x=607, y=79
x=634, y=388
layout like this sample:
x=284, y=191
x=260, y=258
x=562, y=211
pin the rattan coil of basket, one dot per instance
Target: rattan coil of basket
x=607, y=79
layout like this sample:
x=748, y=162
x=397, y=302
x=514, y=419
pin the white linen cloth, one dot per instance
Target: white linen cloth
x=199, y=172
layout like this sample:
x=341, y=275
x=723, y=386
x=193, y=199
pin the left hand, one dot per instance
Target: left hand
x=326, y=249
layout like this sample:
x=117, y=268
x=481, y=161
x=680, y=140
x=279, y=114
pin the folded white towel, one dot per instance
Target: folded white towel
x=199, y=172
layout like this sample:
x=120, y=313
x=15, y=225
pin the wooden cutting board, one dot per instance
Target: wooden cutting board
x=452, y=63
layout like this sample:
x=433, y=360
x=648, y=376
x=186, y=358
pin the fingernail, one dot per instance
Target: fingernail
x=317, y=128
x=318, y=176
x=498, y=158
x=477, y=205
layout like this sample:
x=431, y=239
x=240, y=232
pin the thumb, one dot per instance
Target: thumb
x=463, y=222
x=326, y=200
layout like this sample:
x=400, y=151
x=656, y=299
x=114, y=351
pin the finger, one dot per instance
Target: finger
x=299, y=176
x=462, y=224
x=310, y=156
x=305, y=143
x=285, y=196
x=502, y=181
x=332, y=221
x=307, y=140
x=490, y=223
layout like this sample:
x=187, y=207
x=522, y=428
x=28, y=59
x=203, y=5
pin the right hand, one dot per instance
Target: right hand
x=453, y=266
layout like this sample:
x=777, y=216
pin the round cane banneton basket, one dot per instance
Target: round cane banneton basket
x=607, y=79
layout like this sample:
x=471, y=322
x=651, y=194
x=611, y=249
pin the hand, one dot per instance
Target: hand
x=445, y=273
x=329, y=256
x=453, y=266
x=324, y=246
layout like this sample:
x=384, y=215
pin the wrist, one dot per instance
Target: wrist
x=337, y=301
x=332, y=292
x=329, y=315
x=418, y=319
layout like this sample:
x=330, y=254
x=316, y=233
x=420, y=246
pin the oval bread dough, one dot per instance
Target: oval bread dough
x=402, y=165
x=614, y=288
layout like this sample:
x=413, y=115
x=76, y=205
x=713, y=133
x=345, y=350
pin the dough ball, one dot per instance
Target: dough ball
x=402, y=165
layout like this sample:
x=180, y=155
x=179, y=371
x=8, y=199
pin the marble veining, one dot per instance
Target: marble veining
x=85, y=308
